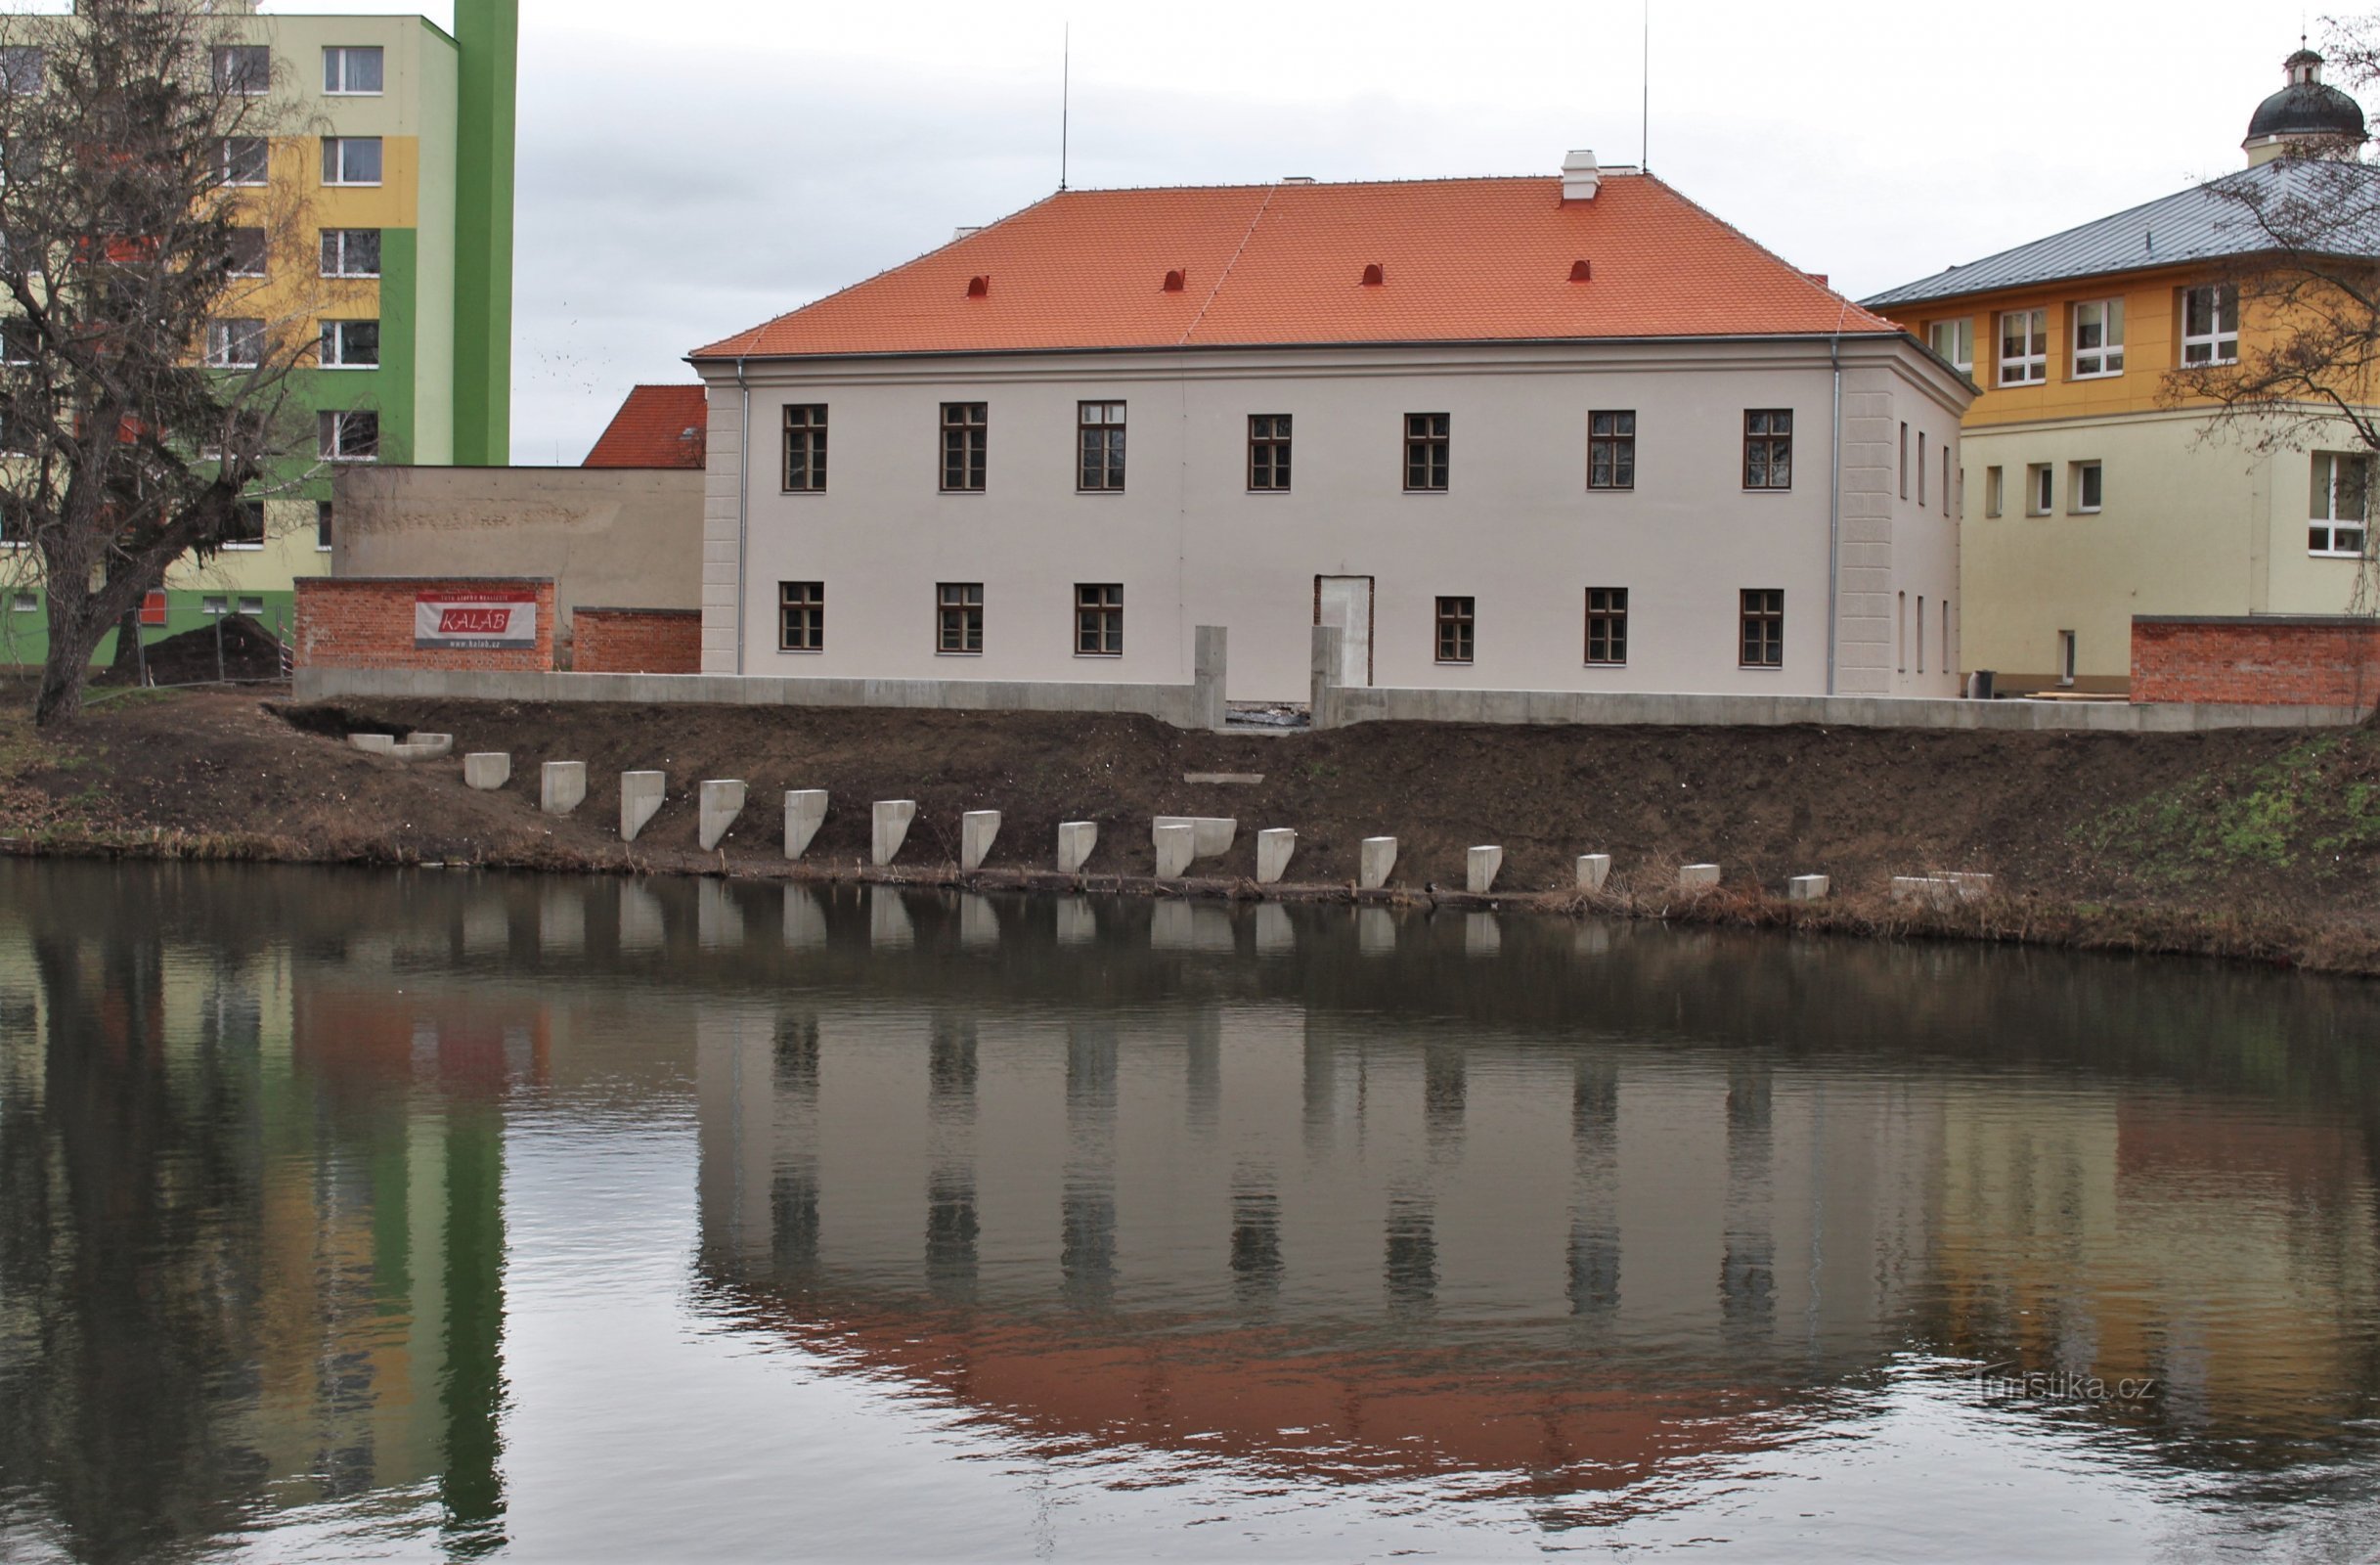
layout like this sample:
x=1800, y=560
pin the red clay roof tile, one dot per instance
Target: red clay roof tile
x=657, y=427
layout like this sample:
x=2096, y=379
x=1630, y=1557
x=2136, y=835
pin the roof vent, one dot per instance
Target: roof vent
x=979, y=288
x=1820, y=278
x=1374, y=276
x=1581, y=177
x=1297, y=179
x=965, y=231
x=1582, y=271
x=1177, y=280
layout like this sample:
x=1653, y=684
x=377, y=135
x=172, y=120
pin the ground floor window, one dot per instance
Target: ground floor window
x=800, y=616
x=1456, y=620
x=1608, y=625
x=1099, y=619
x=2338, y=503
x=2067, y=661
x=1763, y=618
x=25, y=603
x=958, y=610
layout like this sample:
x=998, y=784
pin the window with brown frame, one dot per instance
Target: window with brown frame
x=1763, y=627
x=1099, y=619
x=1608, y=625
x=800, y=616
x=1768, y=448
x=1611, y=450
x=1268, y=451
x=1457, y=619
x=1099, y=429
x=958, y=611
x=966, y=436
x=804, y=447
x=1428, y=436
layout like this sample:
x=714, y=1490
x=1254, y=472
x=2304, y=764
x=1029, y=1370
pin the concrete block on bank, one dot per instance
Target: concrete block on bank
x=424, y=748
x=641, y=796
x=1274, y=849
x=1375, y=861
x=1479, y=870
x=1075, y=841
x=978, y=830
x=1809, y=887
x=720, y=803
x=374, y=743
x=1698, y=877
x=561, y=786
x=1969, y=887
x=487, y=771
x=1934, y=891
x=1177, y=846
x=805, y=812
x=891, y=830
x=1211, y=835
x=1594, y=869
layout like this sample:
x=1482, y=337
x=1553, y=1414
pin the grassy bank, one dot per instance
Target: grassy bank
x=2264, y=846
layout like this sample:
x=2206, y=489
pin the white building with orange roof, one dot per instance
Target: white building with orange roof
x=1564, y=433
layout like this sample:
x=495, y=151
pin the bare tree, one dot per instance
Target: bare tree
x=146, y=399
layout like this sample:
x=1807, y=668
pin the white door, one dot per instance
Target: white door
x=1345, y=602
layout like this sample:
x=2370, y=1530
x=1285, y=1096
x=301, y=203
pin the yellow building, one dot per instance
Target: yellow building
x=2092, y=494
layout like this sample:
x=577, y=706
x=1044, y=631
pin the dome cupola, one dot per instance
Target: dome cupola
x=2304, y=118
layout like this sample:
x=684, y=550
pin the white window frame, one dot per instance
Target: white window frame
x=1995, y=490
x=251, y=605
x=2032, y=366
x=223, y=341
x=333, y=352
x=264, y=252
x=334, y=161
x=1955, y=340
x=2326, y=524
x=338, y=241
x=331, y=433
x=2040, y=493
x=214, y=606
x=264, y=523
x=2069, y=658
x=229, y=174
x=2218, y=345
x=326, y=526
x=2081, y=479
x=2104, y=360
x=336, y=73
x=25, y=603
x=238, y=83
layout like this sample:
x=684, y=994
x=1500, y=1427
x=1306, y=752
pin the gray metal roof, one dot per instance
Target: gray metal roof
x=2190, y=225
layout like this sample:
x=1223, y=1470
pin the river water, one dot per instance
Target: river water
x=429, y=1213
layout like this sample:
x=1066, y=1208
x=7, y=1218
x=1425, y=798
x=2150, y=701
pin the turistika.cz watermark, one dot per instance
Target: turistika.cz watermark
x=2011, y=1380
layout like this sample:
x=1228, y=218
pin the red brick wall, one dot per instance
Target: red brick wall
x=369, y=623
x=2258, y=662
x=637, y=641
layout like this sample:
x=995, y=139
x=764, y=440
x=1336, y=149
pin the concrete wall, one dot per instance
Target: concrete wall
x=624, y=536
x=637, y=641
x=1518, y=530
x=2294, y=662
x=369, y=626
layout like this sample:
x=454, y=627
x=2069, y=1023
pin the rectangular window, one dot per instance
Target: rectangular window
x=1900, y=634
x=1099, y=619
x=351, y=69
x=2083, y=483
x=2099, y=339
x=214, y=606
x=253, y=607
x=1608, y=625
x=247, y=253
x=1993, y=485
x=1905, y=462
x=349, y=436
x=1269, y=452
x=2341, y=491
x=1921, y=633
x=2210, y=325
x=1429, y=439
x=1457, y=619
x=1763, y=618
x=322, y=526
x=1611, y=450
x=24, y=604
x=351, y=252
x=351, y=345
x=1099, y=445
x=20, y=70
x=246, y=160
x=966, y=436
x=234, y=344
x=958, y=612
x=351, y=159
x=2067, y=660
x=805, y=448
x=1768, y=448
x=800, y=616
x=2024, y=347
x=244, y=68
x=1955, y=340
x=19, y=341
x=246, y=530
x=2039, y=499
x=1945, y=480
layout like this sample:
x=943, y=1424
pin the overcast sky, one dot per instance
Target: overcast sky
x=690, y=169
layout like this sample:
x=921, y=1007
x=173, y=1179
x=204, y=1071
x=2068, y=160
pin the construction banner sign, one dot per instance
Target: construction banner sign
x=502, y=619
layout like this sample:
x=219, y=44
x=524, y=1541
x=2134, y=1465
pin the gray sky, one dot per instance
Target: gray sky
x=691, y=169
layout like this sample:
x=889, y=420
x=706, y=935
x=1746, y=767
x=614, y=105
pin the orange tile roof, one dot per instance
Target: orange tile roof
x=1465, y=261
x=657, y=427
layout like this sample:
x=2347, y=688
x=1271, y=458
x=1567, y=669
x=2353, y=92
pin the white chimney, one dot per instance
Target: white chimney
x=1581, y=177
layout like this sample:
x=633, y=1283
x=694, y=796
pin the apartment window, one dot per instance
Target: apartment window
x=958, y=612
x=248, y=253
x=1768, y=448
x=247, y=529
x=20, y=70
x=1608, y=625
x=2210, y=325
x=349, y=436
x=351, y=70
x=2341, y=490
x=322, y=525
x=804, y=447
x=246, y=160
x=244, y=68
x=800, y=616
x=1762, y=615
x=1268, y=451
x=2083, y=483
x=1456, y=620
x=1611, y=450
x=2067, y=661
x=2024, y=347
x=25, y=603
x=1428, y=439
x=1099, y=619
x=2038, y=490
x=351, y=345
x=19, y=341
x=351, y=252
x=1955, y=340
x=351, y=159
x=1099, y=442
x=253, y=607
x=966, y=435
x=237, y=344
x=1920, y=469
x=214, y=606
x=2099, y=339
x=1993, y=485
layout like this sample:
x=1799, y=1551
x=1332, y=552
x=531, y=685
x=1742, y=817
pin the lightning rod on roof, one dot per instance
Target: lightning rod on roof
x=1065, y=95
x=1643, y=130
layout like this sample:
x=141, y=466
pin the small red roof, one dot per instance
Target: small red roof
x=657, y=427
x=1444, y=260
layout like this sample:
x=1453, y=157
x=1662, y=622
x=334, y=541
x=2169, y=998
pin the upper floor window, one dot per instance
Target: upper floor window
x=1268, y=451
x=2024, y=347
x=247, y=528
x=1920, y=468
x=20, y=70
x=2085, y=487
x=248, y=253
x=1768, y=448
x=1611, y=450
x=351, y=69
x=323, y=525
x=966, y=434
x=351, y=159
x=245, y=69
x=349, y=436
x=2209, y=324
x=2099, y=338
x=2340, y=494
x=234, y=344
x=1429, y=444
x=805, y=447
x=246, y=160
x=1955, y=340
x=351, y=252
x=1099, y=436
x=351, y=345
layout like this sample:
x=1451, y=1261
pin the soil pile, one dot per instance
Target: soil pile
x=249, y=655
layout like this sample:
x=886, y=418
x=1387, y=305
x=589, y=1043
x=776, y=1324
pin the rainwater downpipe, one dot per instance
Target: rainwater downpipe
x=743, y=504
x=1834, y=507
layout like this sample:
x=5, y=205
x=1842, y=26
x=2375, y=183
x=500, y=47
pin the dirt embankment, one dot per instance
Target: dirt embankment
x=2257, y=844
